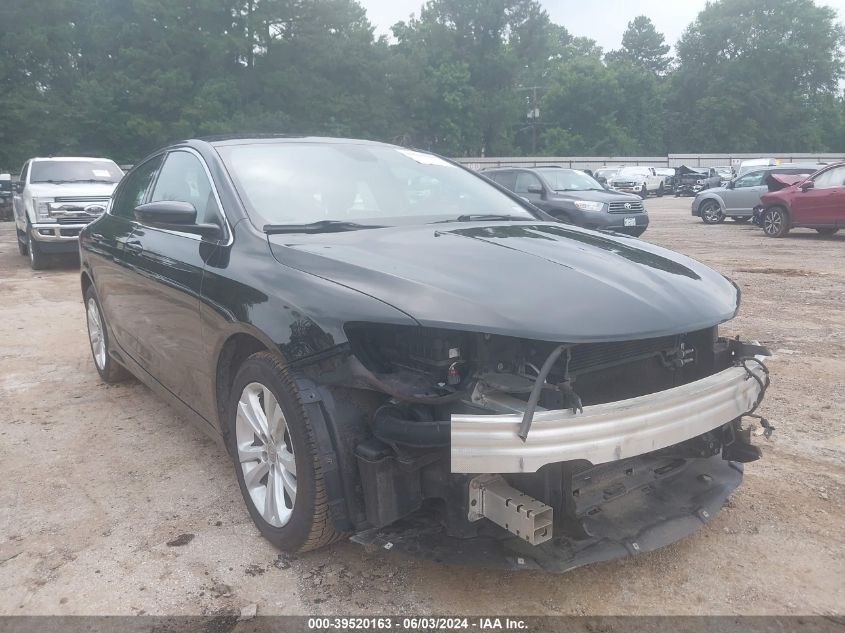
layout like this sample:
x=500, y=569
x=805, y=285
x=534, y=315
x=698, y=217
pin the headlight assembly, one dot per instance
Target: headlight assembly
x=588, y=205
x=42, y=208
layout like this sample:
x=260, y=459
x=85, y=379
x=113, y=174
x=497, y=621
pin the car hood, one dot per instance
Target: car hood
x=544, y=281
x=54, y=190
x=595, y=196
x=632, y=178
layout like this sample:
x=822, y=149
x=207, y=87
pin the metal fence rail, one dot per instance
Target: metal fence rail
x=671, y=160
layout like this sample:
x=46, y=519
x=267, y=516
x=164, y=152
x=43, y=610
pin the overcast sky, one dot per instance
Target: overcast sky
x=603, y=21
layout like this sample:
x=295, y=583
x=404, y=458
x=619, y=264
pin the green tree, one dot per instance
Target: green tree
x=643, y=46
x=752, y=73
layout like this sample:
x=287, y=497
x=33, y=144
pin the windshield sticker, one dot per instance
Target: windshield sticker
x=424, y=159
x=101, y=173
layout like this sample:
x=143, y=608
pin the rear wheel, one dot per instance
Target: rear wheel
x=775, y=222
x=276, y=459
x=827, y=231
x=711, y=212
x=98, y=337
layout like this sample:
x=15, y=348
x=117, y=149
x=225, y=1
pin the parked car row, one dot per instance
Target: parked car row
x=779, y=198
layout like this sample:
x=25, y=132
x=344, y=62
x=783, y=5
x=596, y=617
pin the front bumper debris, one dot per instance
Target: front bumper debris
x=606, y=432
x=657, y=508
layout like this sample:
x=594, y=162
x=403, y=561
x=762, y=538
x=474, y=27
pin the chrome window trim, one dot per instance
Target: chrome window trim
x=230, y=234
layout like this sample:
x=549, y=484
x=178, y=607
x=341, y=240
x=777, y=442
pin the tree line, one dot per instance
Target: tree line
x=463, y=78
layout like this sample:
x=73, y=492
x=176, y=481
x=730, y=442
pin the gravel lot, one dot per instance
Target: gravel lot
x=110, y=504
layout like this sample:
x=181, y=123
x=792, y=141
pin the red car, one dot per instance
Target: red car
x=816, y=202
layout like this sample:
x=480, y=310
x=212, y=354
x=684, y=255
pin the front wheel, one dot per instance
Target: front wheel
x=644, y=192
x=276, y=459
x=22, y=245
x=775, y=222
x=827, y=231
x=711, y=212
x=660, y=191
x=37, y=259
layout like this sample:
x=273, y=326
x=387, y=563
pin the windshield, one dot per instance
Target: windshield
x=302, y=183
x=75, y=171
x=569, y=180
x=633, y=171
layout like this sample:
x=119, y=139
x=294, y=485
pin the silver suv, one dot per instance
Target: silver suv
x=738, y=197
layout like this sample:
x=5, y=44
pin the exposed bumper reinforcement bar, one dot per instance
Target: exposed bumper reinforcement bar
x=604, y=432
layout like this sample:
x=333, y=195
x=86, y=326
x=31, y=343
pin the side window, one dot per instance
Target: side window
x=183, y=179
x=753, y=179
x=506, y=178
x=831, y=178
x=133, y=189
x=526, y=181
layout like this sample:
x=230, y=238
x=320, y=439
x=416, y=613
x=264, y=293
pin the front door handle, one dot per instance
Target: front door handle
x=130, y=245
x=133, y=246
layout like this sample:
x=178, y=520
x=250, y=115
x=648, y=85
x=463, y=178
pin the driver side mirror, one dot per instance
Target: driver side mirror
x=18, y=187
x=729, y=184
x=174, y=215
x=537, y=189
x=807, y=185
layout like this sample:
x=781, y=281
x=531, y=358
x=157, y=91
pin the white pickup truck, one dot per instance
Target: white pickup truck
x=55, y=199
x=639, y=180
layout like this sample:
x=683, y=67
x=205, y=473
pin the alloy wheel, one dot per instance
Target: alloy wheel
x=773, y=222
x=265, y=454
x=96, y=334
x=712, y=212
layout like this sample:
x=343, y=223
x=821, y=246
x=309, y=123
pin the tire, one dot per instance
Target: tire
x=37, y=259
x=644, y=192
x=827, y=231
x=23, y=248
x=98, y=338
x=776, y=222
x=711, y=212
x=741, y=219
x=660, y=191
x=298, y=520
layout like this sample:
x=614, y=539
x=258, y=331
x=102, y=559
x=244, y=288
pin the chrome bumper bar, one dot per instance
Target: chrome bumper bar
x=605, y=432
x=56, y=234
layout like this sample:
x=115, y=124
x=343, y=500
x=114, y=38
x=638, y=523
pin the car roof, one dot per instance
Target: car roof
x=59, y=159
x=249, y=139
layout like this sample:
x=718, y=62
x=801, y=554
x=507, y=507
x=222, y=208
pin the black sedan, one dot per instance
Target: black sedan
x=573, y=196
x=392, y=347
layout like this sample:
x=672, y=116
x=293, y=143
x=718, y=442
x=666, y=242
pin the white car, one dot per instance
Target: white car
x=638, y=180
x=56, y=198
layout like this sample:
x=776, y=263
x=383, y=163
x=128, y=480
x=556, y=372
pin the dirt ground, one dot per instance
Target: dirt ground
x=110, y=504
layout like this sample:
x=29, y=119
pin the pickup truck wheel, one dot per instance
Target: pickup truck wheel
x=644, y=192
x=711, y=212
x=98, y=336
x=37, y=259
x=276, y=459
x=660, y=191
x=827, y=231
x=23, y=249
x=775, y=222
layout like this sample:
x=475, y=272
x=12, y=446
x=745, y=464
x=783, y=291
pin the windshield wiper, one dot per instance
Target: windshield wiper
x=485, y=217
x=323, y=226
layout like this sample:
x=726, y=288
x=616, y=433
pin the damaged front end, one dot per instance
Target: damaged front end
x=510, y=452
